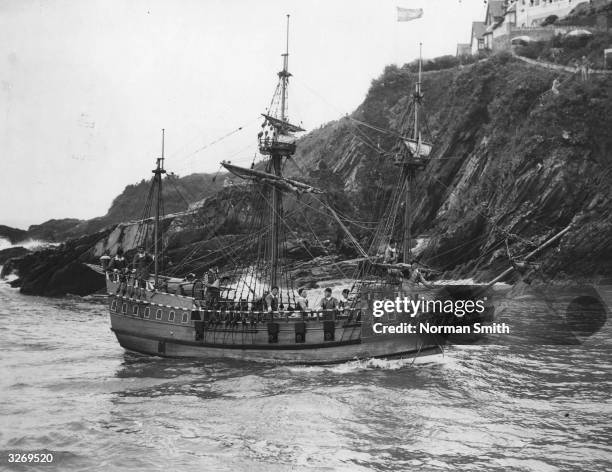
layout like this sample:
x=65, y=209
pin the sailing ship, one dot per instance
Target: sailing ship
x=253, y=310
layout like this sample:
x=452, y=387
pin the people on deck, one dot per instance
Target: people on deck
x=272, y=300
x=329, y=302
x=141, y=266
x=344, y=301
x=213, y=286
x=118, y=266
x=186, y=284
x=391, y=253
x=301, y=300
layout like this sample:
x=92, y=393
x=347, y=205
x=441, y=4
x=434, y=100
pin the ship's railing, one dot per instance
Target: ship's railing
x=347, y=315
x=127, y=278
x=240, y=308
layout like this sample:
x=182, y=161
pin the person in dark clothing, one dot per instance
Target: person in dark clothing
x=329, y=305
x=213, y=286
x=329, y=302
x=141, y=266
x=118, y=263
x=272, y=301
x=118, y=267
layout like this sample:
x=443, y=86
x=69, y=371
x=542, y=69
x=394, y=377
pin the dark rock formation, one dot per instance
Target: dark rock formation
x=11, y=252
x=53, y=230
x=13, y=235
x=58, y=271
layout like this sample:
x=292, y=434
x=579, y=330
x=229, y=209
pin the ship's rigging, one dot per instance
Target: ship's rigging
x=258, y=259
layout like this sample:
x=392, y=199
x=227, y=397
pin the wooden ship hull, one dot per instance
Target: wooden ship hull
x=168, y=325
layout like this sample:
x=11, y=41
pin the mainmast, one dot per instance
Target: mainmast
x=158, y=171
x=278, y=142
x=284, y=76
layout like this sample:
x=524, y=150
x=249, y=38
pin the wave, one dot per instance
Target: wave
x=31, y=244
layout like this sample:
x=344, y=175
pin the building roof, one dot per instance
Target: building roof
x=478, y=28
x=495, y=8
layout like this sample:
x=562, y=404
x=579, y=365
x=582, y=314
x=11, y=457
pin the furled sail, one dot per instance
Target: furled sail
x=283, y=126
x=418, y=149
x=281, y=183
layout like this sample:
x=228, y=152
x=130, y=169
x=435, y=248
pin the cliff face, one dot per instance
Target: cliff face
x=512, y=161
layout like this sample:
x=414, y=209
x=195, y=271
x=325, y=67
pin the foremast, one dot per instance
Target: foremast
x=157, y=183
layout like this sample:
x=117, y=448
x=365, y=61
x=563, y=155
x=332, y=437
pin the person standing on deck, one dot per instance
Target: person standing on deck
x=343, y=304
x=272, y=302
x=301, y=301
x=118, y=266
x=213, y=286
x=329, y=304
x=141, y=266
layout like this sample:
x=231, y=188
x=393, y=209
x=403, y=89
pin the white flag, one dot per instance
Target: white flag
x=408, y=14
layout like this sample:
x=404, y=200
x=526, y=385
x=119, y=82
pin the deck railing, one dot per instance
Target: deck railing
x=239, y=308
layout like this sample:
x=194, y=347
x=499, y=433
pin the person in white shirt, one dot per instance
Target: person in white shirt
x=301, y=301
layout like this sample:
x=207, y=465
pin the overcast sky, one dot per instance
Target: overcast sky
x=87, y=85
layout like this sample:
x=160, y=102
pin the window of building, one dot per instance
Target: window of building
x=147, y=312
x=124, y=308
x=158, y=314
x=135, y=310
x=114, y=305
x=185, y=317
x=171, y=316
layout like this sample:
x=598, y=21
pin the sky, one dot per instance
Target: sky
x=87, y=85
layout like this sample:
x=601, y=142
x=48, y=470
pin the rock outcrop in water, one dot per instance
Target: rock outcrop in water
x=513, y=162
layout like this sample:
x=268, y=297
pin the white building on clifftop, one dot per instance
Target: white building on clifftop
x=534, y=12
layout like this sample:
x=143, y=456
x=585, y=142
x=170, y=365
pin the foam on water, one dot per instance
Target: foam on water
x=31, y=244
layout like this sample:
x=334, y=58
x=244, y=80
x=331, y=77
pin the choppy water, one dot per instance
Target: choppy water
x=67, y=387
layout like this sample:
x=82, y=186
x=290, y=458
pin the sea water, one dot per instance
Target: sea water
x=67, y=388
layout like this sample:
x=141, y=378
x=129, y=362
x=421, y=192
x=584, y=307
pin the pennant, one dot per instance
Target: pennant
x=408, y=14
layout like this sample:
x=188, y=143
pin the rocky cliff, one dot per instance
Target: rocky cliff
x=513, y=162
